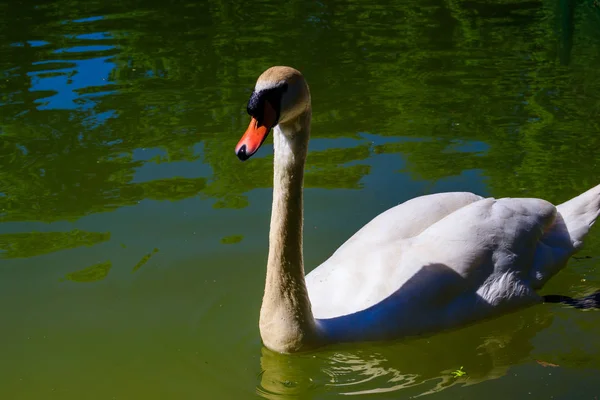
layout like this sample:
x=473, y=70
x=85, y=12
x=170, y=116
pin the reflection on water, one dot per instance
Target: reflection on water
x=117, y=127
x=20, y=245
x=144, y=260
x=92, y=273
x=417, y=367
x=108, y=87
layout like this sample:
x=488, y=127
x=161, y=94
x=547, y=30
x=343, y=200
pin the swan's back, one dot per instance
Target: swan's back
x=356, y=275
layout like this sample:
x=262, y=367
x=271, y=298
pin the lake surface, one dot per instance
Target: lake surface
x=133, y=242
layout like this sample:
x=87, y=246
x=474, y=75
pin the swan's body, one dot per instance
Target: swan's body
x=432, y=263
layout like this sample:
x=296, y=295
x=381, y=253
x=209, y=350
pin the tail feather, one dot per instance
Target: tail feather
x=580, y=213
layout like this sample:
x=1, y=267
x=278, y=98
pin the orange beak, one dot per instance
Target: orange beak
x=256, y=133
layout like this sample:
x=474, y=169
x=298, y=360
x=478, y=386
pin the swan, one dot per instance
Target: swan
x=433, y=263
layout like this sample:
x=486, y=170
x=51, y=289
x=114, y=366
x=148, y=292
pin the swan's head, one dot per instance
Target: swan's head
x=280, y=96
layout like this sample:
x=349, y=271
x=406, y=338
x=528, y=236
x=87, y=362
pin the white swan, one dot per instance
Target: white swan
x=432, y=263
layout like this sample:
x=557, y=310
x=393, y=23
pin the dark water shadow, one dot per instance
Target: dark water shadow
x=566, y=16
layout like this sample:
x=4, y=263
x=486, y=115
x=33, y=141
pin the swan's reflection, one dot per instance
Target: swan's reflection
x=418, y=367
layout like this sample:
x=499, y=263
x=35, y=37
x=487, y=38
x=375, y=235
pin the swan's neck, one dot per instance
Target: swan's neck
x=286, y=320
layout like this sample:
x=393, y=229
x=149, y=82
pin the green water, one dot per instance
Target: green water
x=133, y=241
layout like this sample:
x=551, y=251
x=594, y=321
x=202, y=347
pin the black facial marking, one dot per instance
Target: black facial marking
x=257, y=100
